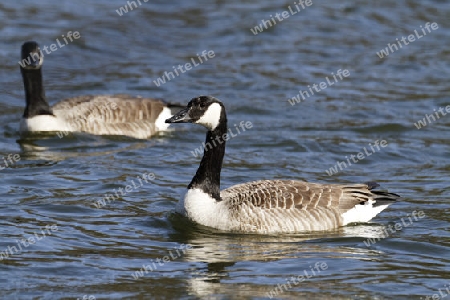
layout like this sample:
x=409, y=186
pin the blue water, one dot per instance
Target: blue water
x=94, y=252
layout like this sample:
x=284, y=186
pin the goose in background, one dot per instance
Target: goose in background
x=100, y=115
x=267, y=206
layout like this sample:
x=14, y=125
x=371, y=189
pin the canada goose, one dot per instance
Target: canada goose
x=266, y=206
x=101, y=114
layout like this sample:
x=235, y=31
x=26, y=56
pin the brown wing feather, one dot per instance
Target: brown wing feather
x=292, y=194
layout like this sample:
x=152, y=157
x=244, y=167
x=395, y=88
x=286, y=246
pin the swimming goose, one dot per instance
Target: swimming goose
x=101, y=114
x=266, y=206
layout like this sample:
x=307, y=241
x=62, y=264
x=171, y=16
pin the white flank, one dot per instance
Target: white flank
x=43, y=123
x=160, y=123
x=362, y=213
x=211, y=117
x=205, y=210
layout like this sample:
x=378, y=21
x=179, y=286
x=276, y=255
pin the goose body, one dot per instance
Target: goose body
x=103, y=115
x=100, y=114
x=267, y=206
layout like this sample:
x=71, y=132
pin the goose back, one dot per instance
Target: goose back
x=269, y=206
x=114, y=115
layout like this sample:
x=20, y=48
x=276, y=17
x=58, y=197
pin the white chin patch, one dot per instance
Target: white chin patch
x=160, y=123
x=211, y=117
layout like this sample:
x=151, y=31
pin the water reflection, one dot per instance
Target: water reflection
x=212, y=246
x=52, y=148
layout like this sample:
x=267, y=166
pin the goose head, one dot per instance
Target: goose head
x=203, y=110
x=31, y=56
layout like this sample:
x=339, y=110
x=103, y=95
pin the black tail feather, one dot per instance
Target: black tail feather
x=381, y=197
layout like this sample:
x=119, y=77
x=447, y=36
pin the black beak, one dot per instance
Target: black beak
x=180, y=117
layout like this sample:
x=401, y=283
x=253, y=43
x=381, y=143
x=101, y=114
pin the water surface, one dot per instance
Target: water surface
x=95, y=252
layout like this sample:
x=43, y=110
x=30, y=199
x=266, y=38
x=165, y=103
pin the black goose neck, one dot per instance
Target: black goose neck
x=207, y=177
x=36, y=104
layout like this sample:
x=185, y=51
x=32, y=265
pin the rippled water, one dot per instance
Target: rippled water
x=94, y=252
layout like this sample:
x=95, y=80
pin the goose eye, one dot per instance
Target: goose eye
x=202, y=105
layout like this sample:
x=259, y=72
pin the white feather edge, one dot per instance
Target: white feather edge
x=160, y=122
x=201, y=208
x=43, y=123
x=362, y=213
